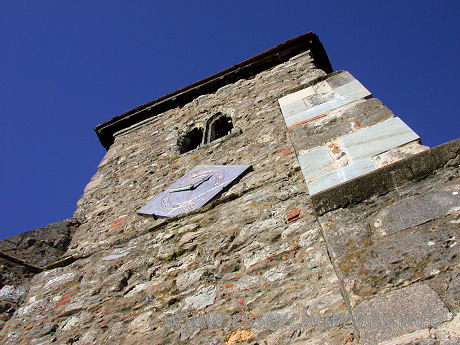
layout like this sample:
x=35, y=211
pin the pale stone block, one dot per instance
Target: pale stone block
x=293, y=108
x=328, y=95
x=92, y=184
x=378, y=138
x=296, y=96
x=337, y=177
x=350, y=88
x=312, y=112
x=323, y=88
x=315, y=163
x=355, y=95
x=398, y=153
x=325, y=107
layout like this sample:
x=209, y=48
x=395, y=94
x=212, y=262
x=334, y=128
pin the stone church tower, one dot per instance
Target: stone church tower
x=315, y=216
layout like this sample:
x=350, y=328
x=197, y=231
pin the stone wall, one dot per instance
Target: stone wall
x=144, y=158
x=396, y=253
x=237, y=255
x=265, y=257
x=24, y=255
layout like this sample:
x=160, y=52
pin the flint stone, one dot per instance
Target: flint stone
x=201, y=300
x=186, y=279
x=118, y=253
x=275, y=274
x=141, y=323
x=72, y=308
x=13, y=294
x=59, y=280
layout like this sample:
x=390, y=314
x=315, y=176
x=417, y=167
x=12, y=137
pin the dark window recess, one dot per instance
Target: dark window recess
x=191, y=140
x=220, y=127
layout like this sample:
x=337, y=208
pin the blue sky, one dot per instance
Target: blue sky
x=70, y=65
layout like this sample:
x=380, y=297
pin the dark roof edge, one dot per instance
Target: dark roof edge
x=248, y=68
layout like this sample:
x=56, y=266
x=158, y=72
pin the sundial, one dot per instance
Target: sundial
x=193, y=190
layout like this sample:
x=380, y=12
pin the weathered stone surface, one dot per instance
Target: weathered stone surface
x=357, y=227
x=305, y=105
x=13, y=294
x=454, y=288
x=338, y=123
x=418, y=209
x=418, y=242
x=398, y=153
x=41, y=246
x=378, y=138
x=392, y=177
x=346, y=231
x=400, y=312
x=24, y=255
x=287, y=281
x=368, y=267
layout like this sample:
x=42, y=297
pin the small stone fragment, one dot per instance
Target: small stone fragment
x=238, y=336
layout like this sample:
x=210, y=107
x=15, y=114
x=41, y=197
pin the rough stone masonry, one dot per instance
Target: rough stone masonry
x=345, y=231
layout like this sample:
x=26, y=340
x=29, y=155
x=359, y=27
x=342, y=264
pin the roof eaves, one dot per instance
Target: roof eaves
x=245, y=69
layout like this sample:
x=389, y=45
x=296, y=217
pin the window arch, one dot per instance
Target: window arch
x=190, y=140
x=218, y=126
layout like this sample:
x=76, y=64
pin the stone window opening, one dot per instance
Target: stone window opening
x=190, y=140
x=218, y=126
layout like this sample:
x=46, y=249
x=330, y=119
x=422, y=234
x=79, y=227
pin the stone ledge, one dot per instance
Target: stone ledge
x=386, y=179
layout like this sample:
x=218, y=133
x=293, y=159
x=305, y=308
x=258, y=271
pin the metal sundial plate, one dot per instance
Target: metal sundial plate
x=193, y=190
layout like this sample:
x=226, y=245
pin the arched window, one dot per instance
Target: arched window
x=218, y=126
x=190, y=140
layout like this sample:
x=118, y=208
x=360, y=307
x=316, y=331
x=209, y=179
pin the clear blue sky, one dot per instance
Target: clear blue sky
x=70, y=65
